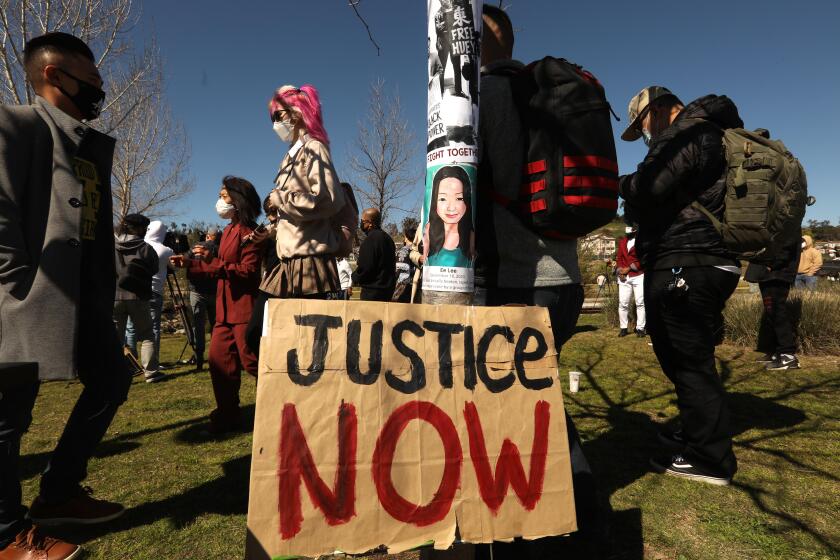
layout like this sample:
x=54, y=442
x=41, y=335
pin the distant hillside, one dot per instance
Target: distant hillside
x=614, y=229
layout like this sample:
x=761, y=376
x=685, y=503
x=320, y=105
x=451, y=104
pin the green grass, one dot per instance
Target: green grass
x=187, y=493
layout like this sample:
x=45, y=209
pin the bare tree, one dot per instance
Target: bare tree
x=150, y=165
x=383, y=157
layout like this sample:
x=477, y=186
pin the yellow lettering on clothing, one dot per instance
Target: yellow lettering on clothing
x=89, y=178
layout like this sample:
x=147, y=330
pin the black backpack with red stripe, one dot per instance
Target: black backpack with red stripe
x=570, y=180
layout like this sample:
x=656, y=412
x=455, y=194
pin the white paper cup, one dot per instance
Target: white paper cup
x=574, y=381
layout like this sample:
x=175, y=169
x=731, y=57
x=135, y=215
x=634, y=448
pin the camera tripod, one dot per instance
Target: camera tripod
x=184, y=313
x=605, y=282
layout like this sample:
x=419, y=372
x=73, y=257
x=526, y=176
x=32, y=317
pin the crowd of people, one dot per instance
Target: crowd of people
x=58, y=254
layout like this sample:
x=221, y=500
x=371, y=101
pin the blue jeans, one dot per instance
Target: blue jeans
x=806, y=282
x=156, y=309
x=156, y=305
x=15, y=417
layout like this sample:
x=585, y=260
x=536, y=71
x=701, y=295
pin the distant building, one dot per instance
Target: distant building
x=599, y=245
x=829, y=249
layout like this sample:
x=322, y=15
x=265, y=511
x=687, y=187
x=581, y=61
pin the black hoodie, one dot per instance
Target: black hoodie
x=686, y=162
x=137, y=263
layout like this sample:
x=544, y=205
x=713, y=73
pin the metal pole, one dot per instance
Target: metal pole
x=454, y=28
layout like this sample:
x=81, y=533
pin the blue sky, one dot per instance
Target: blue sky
x=777, y=61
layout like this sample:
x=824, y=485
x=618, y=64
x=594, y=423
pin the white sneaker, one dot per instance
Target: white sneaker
x=154, y=377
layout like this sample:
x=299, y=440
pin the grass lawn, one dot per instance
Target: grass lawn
x=187, y=493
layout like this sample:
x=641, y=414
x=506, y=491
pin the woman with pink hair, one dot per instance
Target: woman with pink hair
x=308, y=196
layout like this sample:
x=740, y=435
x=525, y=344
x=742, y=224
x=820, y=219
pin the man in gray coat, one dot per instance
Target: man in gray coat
x=57, y=284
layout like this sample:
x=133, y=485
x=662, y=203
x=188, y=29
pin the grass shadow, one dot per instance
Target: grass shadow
x=199, y=433
x=225, y=495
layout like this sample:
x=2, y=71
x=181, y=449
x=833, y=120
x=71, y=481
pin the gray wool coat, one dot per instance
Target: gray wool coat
x=40, y=235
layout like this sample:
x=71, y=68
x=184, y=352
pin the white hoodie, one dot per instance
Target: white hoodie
x=155, y=234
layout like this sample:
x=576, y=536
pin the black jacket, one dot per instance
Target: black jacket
x=783, y=269
x=686, y=162
x=377, y=266
x=137, y=263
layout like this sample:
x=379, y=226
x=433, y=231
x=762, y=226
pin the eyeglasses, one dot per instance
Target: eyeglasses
x=278, y=116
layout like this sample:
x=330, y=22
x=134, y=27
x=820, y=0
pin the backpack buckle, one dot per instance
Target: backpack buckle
x=748, y=149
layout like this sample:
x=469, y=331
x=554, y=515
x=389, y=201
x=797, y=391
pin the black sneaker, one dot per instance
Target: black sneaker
x=767, y=358
x=677, y=465
x=672, y=440
x=622, y=332
x=641, y=333
x=783, y=362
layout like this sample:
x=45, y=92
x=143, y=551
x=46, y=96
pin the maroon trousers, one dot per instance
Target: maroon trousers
x=229, y=354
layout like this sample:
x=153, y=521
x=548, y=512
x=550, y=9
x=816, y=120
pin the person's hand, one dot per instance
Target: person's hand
x=422, y=259
x=202, y=253
x=258, y=236
x=178, y=261
x=623, y=270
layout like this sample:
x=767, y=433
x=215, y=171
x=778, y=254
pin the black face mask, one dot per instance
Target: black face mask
x=88, y=100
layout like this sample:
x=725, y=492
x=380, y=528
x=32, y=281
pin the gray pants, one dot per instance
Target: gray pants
x=139, y=312
x=204, y=310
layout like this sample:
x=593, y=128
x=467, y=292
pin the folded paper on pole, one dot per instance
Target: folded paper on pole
x=391, y=424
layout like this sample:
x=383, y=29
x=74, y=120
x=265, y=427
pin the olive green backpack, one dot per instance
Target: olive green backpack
x=766, y=194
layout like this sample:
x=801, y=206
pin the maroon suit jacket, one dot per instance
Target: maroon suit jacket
x=238, y=273
x=625, y=258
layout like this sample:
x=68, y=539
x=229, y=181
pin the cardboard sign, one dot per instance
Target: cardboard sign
x=390, y=424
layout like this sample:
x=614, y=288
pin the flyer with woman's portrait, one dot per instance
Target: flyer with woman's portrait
x=448, y=228
x=452, y=155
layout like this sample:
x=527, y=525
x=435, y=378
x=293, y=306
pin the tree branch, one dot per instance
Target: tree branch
x=353, y=4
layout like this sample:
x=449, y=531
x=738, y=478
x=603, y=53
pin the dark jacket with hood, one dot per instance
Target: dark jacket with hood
x=137, y=263
x=686, y=162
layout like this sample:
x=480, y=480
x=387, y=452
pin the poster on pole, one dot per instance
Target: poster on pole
x=454, y=28
x=393, y=424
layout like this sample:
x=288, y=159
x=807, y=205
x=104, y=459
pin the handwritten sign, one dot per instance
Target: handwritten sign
x=390, y=424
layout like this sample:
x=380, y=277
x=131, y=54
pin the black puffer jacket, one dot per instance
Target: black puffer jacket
x=685, y=163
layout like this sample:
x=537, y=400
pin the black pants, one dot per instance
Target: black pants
x=106, y=376
x=776, y=332
x=564, y=304
x=370, y=294
x=15, y=417
x=684, y=327
x=253, y=332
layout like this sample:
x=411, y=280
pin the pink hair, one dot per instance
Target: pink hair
x=306, y=103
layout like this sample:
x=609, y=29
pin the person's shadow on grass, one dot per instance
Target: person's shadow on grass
x=226, y=495
x=620, y=455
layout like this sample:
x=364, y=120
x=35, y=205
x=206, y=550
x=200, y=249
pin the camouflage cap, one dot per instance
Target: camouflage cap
x=637, y=107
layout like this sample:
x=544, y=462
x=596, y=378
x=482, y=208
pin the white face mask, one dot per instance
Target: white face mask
x=284, y=130
x=225, y=210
